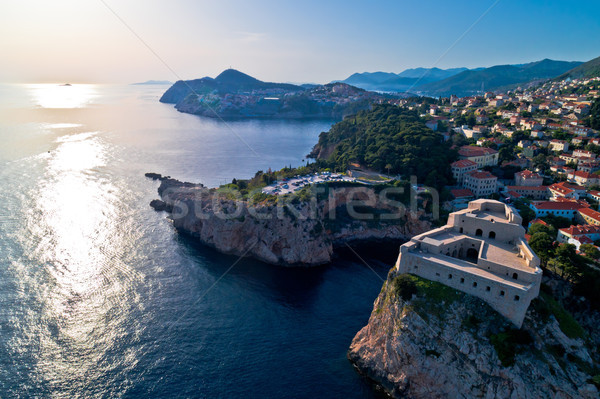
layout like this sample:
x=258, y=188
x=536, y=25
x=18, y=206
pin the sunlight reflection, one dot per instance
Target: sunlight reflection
x=74, y=210
x=61, y=96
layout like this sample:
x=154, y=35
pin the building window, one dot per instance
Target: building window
x=492, y=234
x=462, y=280
x=437, y=274
x=461, y=230
x=449, y=277
x=416, y=267
x=479, y=232
x=474, y=284
x=488, y=288
x=517, y=297
x=515, y=276
x=501, y=293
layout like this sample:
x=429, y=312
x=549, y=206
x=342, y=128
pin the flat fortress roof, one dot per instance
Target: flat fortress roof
x=490, y=216
x=493, y=251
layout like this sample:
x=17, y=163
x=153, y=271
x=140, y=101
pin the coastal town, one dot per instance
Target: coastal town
x=529, y=148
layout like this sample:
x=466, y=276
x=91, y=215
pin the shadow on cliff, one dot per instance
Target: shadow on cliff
x=296, y=287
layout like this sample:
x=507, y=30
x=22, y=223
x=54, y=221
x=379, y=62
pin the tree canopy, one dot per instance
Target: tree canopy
x=394, y=137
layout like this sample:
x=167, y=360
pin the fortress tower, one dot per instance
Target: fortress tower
x=482, y=252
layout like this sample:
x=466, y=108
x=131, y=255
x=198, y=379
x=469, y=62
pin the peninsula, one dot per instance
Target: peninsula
x=234, y=94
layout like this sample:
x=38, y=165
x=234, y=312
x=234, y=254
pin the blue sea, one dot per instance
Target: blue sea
x=101, y=298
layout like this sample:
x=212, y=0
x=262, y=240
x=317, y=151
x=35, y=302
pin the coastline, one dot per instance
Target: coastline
x=291, y=234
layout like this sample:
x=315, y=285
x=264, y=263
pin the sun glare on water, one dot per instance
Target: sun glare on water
x=62, y=96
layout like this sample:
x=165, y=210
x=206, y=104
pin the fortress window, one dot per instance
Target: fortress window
x=488, y=288
x=462, y=280
x=479, y=232
x=437, y=274
x=474, y=283
x=461, y=229
x=449, y=277
x=517, y=298
x=492, y=234
x=515, y=276
x=501, y=293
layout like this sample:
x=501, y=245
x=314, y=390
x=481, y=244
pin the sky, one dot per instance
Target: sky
x=316, y=41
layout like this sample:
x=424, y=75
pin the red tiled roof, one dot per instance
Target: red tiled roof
x=580, y=202
x=566, y=186
x=585, y=175
x=463, y=163
x=514, y=194
x=581, y=229
x=558, y=205
x=481, y=174
x=462, y=193
x=472, y=151
x=527, y=174
x=560, y=189
x=589, y=212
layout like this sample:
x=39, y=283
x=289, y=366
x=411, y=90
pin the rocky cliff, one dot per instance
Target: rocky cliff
x=425, y=340
x=286, y=233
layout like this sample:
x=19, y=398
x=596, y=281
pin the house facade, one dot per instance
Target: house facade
x=482, y=156
x=481, y=183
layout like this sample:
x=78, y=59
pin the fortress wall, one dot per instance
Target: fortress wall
x=487, y=290
x=523, y=277
x=504, y=232
x=527, y=253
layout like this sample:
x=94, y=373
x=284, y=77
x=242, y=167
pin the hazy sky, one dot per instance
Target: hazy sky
x=291, y=41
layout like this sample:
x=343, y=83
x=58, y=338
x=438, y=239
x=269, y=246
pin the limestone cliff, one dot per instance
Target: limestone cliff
x=297, y=233
x=441, y=343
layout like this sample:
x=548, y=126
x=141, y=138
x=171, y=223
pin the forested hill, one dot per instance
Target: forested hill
x=388, y=137
x=497, y=77
x=590, y=69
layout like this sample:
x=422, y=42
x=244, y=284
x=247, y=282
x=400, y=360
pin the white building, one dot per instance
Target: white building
x=481, y=183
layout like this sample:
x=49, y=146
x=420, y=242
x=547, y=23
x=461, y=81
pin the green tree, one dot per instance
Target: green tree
x=540, y=162
x=594, y=118
x=567, y=262
x=388, y=167
x=542, y=228
x=522, y=205
x=542, y=245
x=590, y=251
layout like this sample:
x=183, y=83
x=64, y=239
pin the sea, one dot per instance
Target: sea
x=101, y=298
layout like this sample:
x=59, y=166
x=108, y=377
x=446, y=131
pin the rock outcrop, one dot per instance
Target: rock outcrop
x=441, y=343
x=303, y=233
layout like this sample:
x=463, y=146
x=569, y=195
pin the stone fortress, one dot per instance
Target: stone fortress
x=480, y=251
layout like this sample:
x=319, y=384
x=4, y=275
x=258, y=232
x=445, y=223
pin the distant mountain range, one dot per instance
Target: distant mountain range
x=496, y=77
x=394, y=82
x=464, y=82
